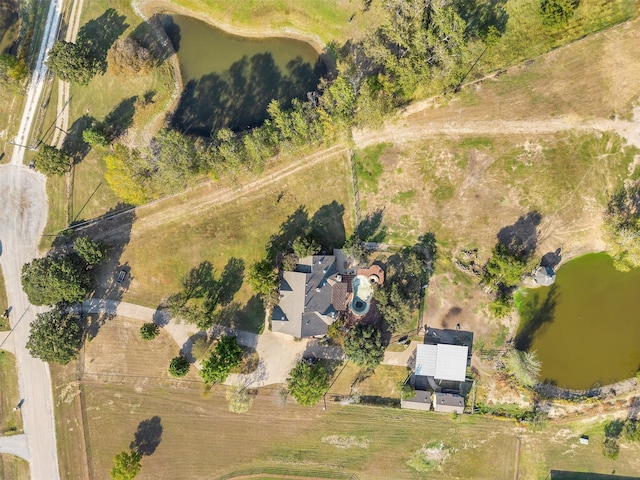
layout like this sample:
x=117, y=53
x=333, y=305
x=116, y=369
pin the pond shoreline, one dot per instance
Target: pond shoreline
x=153, y=7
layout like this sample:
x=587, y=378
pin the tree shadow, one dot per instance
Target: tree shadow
x=551, y=259
x=73, y=144
x=249, y=317
x=480, y=15
x=295, y=224
x=120, y=118
x=147, y=437
x=100, y=33
x=370, y=228
x=238, y=98
x=230, y=280
x=327, y=226
x=534, y=315
x=151, y=35
x=200, y=281
x=171, y=29
x=113, y=228
x=521, y=238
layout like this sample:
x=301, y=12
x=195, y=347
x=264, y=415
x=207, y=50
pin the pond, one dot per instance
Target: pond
x=586, y=326
x=9, y=25
x=230, y=80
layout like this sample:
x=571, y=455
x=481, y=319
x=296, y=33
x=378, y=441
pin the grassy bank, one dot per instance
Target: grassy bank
x=10, y=420
x=328, y=20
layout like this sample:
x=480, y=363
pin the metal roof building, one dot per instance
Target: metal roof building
x=442, y=361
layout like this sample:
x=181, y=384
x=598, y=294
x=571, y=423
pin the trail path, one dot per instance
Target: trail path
x=62, y=119
x=405, y=130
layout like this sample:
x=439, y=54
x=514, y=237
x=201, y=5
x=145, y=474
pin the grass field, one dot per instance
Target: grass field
x=10, y=420
x=381, y=383
x=525, y=36
x=13, y=468
x=198, y=433
x=471, y=188
x=239, y=229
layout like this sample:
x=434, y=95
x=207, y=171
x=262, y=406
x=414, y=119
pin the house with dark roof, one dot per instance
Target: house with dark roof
x=310, y=298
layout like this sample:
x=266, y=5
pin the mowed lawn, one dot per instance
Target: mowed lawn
x=159, y=257
x=10, y=419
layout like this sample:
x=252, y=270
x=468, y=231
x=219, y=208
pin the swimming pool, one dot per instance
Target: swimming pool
x=362, y=293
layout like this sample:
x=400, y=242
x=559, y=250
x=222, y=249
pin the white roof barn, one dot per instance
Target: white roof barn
x=442, y=361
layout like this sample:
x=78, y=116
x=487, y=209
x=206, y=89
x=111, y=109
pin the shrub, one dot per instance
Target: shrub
x=610, y=448
x=501, y=306
x=556, y=12
x=179, y=366
x=149, y=331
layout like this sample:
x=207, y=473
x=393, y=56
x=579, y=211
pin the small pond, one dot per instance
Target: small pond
x=585, y=327
x=230, y=80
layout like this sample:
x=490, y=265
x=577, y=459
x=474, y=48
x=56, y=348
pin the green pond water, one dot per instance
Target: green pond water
x=585, y=327
x=230, y=80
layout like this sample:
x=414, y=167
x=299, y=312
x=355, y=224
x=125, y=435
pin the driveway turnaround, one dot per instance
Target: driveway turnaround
x=15, y=445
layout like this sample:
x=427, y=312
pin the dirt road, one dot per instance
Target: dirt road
x=23, y=215
x=62, y=119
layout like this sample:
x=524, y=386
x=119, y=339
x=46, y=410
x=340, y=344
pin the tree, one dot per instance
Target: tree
x=557, y=12
x=149, y=331
x=407, y=274
x=96, y=135
x=504, y=268
x=501, y=306
x=226, y=355
x=51, y=161
x=11, y=68
x=622, y=228
x=240, y=398
x=51, y=280
x=126, y=56
x=632, y=430
x=55, y=336
x=262, y=277
x=72, y=62
x=610, y=448
x=126, y=466
x=130, y=175
x=305, y=245
x=363, y=346
x=524, y=366
x=90, y=251
x=179, y=366
x=307, y=383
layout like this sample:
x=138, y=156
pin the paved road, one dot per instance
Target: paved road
x=36, y=85
x=15, y=445
x=23, y=214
